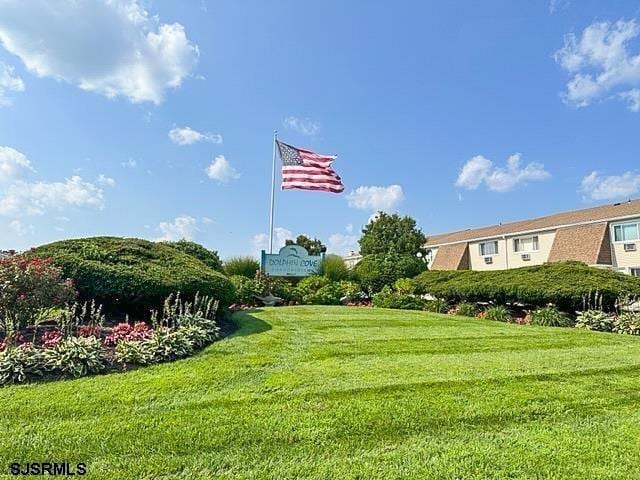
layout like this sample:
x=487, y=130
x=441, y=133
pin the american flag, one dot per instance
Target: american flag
x=306, y=170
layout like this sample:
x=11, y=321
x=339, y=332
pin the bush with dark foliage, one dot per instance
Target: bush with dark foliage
x=209, y=257
x=133, y=275
x=567, y=285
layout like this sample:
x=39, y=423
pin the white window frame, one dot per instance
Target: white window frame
x=637, y=269
x=613, y=232
x=481, y=249
x=535, y=242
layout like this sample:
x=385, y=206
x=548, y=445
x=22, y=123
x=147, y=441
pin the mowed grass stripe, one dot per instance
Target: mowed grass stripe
x=283, y=398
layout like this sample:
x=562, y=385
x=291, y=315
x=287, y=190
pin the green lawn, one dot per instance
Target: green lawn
x=338, y=393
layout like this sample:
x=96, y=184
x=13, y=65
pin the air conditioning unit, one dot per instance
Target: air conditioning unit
x=629, y=247
x=525, y=257
x=488, y=260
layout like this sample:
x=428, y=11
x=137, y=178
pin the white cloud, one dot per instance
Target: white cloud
x=221, y=170
x=304, y=126
x=12, y=164
x=280, y=235
x=182, y=227
x=28, y=199
x=9, y=82
x=480, y=170
x=187, y=136
x=342, y=244
x=21, y=229
x=633, y=99
x=208, y=221
x=473, y=172
x=376, y=198
x=596, y=187
x=106, y=181
x=600, y=63
x=111, y=47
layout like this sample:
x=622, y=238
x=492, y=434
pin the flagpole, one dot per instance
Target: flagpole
x=273, y=190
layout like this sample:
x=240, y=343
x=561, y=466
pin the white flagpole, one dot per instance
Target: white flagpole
x=273, y=190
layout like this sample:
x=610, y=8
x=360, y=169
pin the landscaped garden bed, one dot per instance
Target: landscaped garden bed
x=45, y=332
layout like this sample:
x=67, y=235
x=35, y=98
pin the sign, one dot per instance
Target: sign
x=290, y=261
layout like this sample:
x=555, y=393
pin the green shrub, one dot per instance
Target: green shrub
x=197, y=336
x=567, y=285
x=20, y=363
x=375, y=271
x=594, y=320
x=209, y=257
x=309, y=285
x=134, y=275
x=467, y=309
x=279, y=287
x=134, y=352
x=245, y=266
x=387, y=298
x=350, y=289
x=498, y=313
x=329, y=294
x=405, y=286
x=319, y=290
x=334, y=268
x=437, y=306
x=627, y=323
x=75, y=356
x=246, y=289
x=169, y=344
x=550, y=317
x=208, y=326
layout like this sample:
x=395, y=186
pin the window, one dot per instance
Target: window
x=635, y=271
x=525, y=244
x=489, y=248
x=625, y=232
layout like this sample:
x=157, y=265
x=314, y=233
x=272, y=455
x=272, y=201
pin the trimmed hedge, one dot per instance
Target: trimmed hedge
x=209, y=257
x=133, y=275
x=566, y=284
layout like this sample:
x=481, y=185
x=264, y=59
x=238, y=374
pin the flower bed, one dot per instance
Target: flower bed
x=80, y=345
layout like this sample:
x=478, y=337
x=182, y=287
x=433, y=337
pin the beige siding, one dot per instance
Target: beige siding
x=622, y=259
x=507, y=258
x=477, y=261
x=545, y=241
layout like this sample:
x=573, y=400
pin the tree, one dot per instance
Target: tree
x=313, y=247
x=375, y=271
x=392, y=234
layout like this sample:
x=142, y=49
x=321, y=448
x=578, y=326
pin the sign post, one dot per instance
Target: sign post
x=290, y=261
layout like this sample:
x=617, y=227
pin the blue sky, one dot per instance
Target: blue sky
x=154, y=119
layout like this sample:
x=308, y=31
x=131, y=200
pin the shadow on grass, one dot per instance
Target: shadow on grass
x=246, y=324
